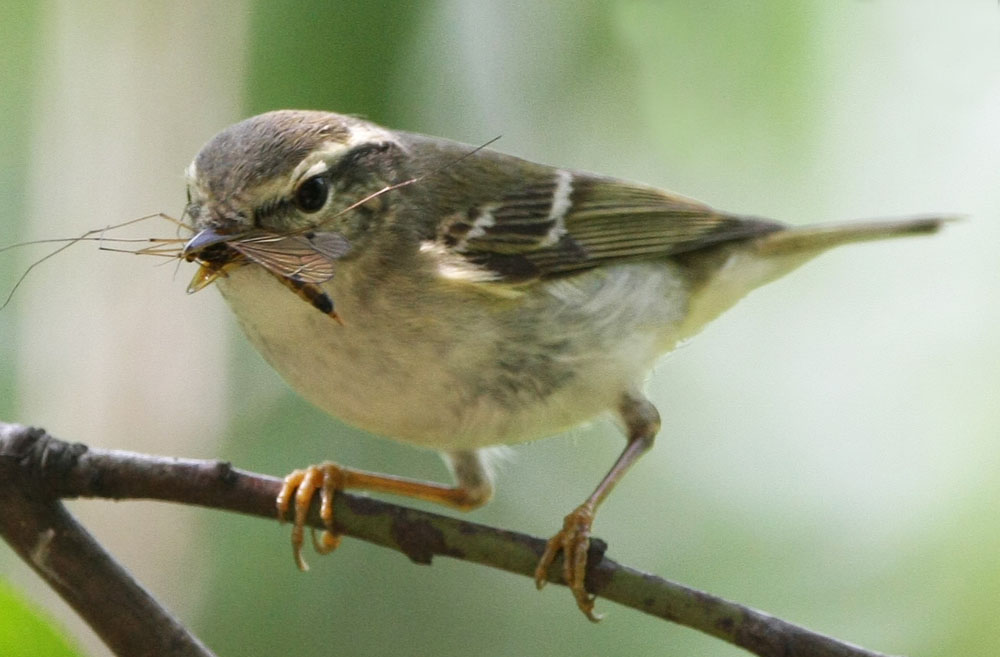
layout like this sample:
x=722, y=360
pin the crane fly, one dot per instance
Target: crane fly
x=299, y=261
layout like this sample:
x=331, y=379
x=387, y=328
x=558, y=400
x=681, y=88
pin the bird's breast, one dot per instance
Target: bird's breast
x=449, y=368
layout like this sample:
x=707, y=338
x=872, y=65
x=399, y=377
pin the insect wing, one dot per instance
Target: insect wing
x=332, y=245
x=291, y=256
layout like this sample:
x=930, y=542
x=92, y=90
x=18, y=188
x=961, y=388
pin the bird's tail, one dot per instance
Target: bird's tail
x=740, y=267
x=819, y=238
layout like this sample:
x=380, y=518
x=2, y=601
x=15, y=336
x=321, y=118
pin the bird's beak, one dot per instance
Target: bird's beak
x=201, y=241
x=211, y=267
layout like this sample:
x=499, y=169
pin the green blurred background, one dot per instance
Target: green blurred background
x=830, y=447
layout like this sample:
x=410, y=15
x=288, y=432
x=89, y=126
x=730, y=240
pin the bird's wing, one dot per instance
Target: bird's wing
x=553, y=222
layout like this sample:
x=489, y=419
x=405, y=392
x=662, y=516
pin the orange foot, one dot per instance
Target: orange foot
x=327, y=478
x=573, y=540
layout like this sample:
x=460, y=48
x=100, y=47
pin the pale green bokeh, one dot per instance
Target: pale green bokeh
x=25, y=632
x=18, y=59
x=830, y=446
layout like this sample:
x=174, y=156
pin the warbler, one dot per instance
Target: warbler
x=457, y=298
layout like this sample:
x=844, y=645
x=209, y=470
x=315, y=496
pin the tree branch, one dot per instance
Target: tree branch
x=39, y=528
x=36, y=470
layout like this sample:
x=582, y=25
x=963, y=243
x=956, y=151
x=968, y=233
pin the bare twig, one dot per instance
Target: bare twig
x=36, y=470
x=36, y=524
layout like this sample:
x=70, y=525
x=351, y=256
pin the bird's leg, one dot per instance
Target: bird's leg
x=642, y=421
x=473, y=488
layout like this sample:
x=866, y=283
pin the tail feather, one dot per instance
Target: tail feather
x=739, y=267
x=822, y=237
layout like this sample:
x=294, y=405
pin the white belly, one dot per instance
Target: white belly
x=438, y=366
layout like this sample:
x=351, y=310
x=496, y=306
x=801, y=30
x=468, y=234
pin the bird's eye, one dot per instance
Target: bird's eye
x=312, y=194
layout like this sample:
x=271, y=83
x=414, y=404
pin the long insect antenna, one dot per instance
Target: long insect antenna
x=100, y=238
x=172, y=252
x=87, y=236
x=32, y=266
x=170, y=247
x=101, y=241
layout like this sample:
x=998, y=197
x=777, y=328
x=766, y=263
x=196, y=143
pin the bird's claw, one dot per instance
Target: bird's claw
x=298, y=490
x=573, y=540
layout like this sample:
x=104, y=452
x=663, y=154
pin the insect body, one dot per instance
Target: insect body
x=300, y=261
x=312, y=293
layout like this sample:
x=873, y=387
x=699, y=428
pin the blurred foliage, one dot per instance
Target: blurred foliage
x=18, y=58
x=315, y=54
x=24, y=632
x=752, y=73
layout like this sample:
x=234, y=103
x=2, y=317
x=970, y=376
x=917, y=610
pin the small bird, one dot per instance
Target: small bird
x=457, y=298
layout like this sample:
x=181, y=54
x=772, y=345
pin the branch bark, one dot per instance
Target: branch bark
x=37, y=470
x=43, y=533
